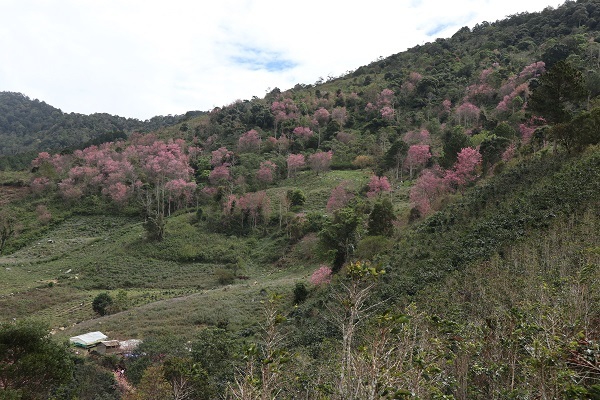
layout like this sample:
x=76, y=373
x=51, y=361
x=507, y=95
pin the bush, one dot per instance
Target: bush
x=224, y=276
x=296, y=197
x=300, y=293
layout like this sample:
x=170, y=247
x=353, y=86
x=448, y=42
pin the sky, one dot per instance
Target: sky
x=142, y=58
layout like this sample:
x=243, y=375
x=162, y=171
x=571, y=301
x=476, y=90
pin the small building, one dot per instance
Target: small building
x=88, y=340
x=108, y=347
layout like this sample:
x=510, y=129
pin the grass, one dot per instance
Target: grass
x=172, y=286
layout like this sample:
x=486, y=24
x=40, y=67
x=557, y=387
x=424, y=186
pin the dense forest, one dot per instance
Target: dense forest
x=425, y=226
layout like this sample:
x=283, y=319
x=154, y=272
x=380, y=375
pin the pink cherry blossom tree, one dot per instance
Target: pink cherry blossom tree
x=249, y=141
x=430, y=185
x=266, y=172
x=466, y=168
x=340, y=197
x=303, y=132
x=467, y=113
x=321, y=116
x=387, y=113
x=417, y=157
x=320, y=161
x=294, y=163
x=255, y=206
x=221, y=156
x=378, y=185
x=321, y=276
x=420, y=136
x=340, y=115
x=219, y=175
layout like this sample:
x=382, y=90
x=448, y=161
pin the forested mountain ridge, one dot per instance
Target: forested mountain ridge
x=423, y=227
x=30, y=126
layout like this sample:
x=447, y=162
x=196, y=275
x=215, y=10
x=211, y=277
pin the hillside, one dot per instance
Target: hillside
x=424, y=227
x=29, y=126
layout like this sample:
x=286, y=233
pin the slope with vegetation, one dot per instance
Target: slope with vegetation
x=29, y=126
x=425, y=227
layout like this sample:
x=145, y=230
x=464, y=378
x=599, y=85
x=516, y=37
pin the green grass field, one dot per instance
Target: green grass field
x=172, y=286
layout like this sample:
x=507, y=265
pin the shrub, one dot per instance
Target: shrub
x=300, y=293
x=296, y=197
x=224, y=276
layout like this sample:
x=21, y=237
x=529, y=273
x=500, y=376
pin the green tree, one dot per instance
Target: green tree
x=102, y=303
x=454, y=140
x=214, y=350
x=90, y=382
x=9, y=227
x=491, y=150
x=187, y=379
x=394, y=157
x=381, y=219
x=339, y=235
x=582, y=131
x=558, y=93
x=32, y=365
x=296, y=197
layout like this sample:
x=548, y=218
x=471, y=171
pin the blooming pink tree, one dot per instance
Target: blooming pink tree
x=219, y=175
x=378, y=185
x=294, y=163
x=427, y=189
x=221, y=156
x=417, y=157
x=421, y=136
x=180, y=192
x=255, y=206
x=387, y=113
x=466, y=168
x=411, y=83
x=533, y=70
x=385, y=98
x=340, y=196
x=446, y=105
x=148, y=168
x=266, y=172
x=467, y=113
x=320, y=161
x=528, y=129
x=321, y=116
x=283, y=110
x=321, y=276
x=303, y=132
x=40, y=184
x=340, y=115
x=249, y=141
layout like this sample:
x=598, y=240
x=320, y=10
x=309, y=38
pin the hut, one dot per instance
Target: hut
x=88, y=340
x=108, y=347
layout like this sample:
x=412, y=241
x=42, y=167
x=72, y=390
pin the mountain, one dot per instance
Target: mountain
x=423, y=227
x=30, y=126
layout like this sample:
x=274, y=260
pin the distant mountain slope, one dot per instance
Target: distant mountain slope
x=28, y=125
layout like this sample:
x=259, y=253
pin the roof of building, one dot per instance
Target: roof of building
x=110, y=343
x=88, y=339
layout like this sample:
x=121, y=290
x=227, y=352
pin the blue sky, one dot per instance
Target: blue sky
x=141, y=58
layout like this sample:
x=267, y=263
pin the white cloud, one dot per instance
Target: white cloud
x=140, y=58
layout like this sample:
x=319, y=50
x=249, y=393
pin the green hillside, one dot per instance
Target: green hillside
x=29, y=126
x=424, y=227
